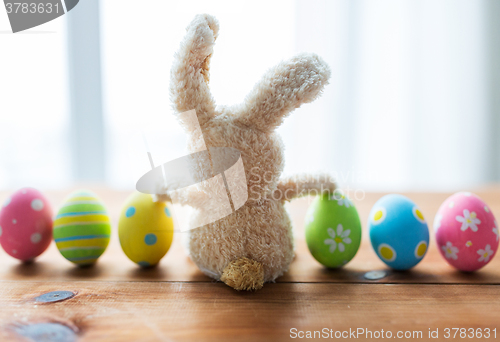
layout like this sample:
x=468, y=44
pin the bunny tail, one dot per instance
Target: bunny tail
x=244, y=274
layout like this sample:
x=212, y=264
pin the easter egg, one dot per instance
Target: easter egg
x=26, y=224
x=82, y=228
x=146, y=229
x=398, y=231
x=333, y=230
x=466, y=231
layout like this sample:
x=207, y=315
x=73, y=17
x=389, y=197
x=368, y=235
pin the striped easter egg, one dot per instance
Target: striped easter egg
x=82, y=228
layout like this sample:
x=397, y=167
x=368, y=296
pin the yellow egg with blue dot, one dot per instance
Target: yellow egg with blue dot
x=145, y=229
x=82, y=228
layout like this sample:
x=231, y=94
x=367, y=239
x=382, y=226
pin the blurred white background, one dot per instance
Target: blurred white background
x=34, y=114
x=413, y=103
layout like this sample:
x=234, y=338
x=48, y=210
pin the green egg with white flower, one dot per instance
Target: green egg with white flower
x=333, y=230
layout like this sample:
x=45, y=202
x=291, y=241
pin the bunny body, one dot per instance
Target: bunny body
x=254, y=244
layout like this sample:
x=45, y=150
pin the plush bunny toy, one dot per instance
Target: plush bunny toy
x=254, y=244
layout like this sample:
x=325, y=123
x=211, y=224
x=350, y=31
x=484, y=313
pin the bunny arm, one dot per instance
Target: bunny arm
x=296, y=186
x=189, y=75
x=288, y=188
x=191, y=196
x=282, y=89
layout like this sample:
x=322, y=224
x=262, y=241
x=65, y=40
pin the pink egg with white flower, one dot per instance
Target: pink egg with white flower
x=466, y=232
x=26, y=224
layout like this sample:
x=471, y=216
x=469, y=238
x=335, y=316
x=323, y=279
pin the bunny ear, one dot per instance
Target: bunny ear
x=283, y=89
x=189, y=75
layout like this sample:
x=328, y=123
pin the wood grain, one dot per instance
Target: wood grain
x=156, y=311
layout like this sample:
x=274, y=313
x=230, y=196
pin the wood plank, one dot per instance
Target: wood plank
x=176, y=266
x=155, y=311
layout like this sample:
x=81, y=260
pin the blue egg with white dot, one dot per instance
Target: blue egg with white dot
x=398, y=232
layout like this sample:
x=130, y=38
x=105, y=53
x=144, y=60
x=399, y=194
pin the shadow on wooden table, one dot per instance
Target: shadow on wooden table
x=347, y=275
x=29, y=269
x=38, y=268
x=152, y=273
x=87, y=272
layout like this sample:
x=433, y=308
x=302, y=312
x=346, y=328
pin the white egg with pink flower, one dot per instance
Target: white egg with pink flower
x=466, y=232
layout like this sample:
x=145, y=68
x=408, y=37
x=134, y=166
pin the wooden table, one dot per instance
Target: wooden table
x=117, y=301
